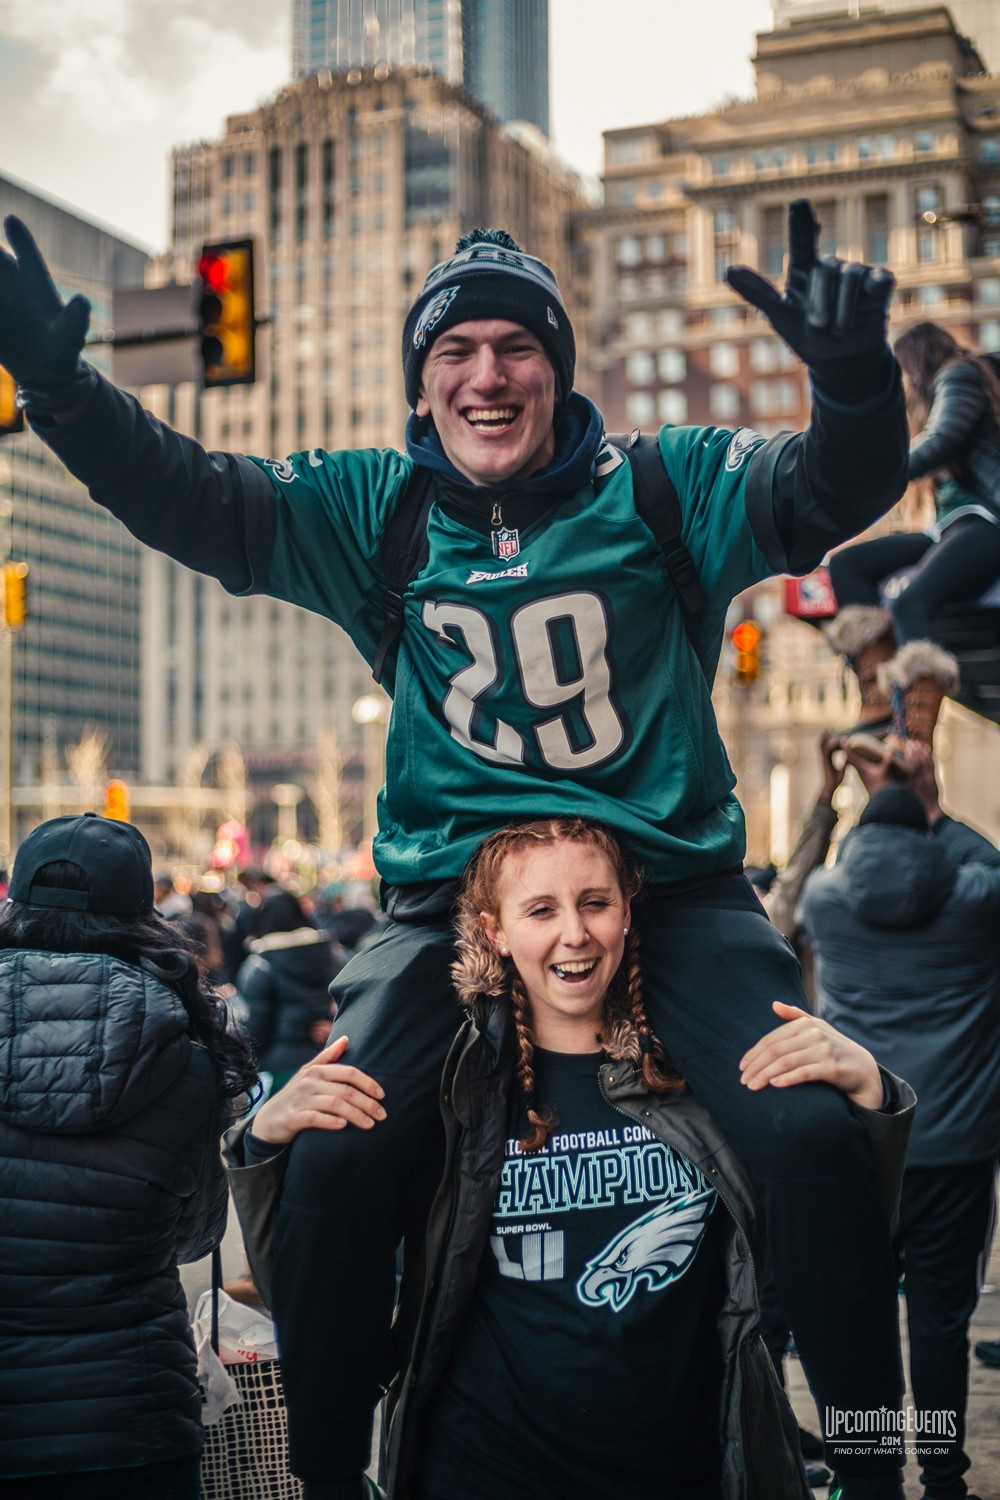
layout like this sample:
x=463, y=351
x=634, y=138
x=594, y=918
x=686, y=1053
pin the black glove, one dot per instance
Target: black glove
x=41, y=336
x=832, y=313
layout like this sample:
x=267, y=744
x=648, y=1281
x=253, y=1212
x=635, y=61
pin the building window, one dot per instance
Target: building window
x=876, y=220
x=672, y=406
x=274, y=189
x=628, y=250
x=770, y=161
x=989, y=232
x=931, y=296
x=672, y=365
x=774, y=234
x=639, y=325
x=876, y=146
x=640, y=369
x=923, y=140
x=721, y=166
x=927, y=200
x=764, y=356
x=301, y=192
x=774, y=398
x=989, y=334
x=622, y=152
x=670, y=323
x=820, y=152
x=724, y=403
x=724, y=360
x=826, y=213
x=989, y=149
x=989, y=290
x=328, y=184
x=640, y=408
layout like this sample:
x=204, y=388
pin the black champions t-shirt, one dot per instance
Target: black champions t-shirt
x=589, y=1363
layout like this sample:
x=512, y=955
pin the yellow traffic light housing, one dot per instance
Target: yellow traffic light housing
x=11, y=420
x=15, y=594
x=116, y=801
x=746, y=644
x=226, y=321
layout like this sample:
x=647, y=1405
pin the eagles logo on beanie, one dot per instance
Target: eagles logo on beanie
x=489, y=276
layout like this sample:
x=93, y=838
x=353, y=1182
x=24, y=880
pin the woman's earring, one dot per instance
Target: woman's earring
x=626, y=932
x=504, y=952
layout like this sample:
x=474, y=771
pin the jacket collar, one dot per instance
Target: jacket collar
x=579, y=439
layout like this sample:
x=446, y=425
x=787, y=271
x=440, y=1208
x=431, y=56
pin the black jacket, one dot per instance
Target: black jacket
x=760, y=1446
x=904, y=931
x=760, y=1452
x=285, y=984
x=961, y=433
x=109, y=1176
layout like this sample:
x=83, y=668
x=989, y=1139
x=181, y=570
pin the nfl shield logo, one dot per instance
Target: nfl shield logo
x=506, y=543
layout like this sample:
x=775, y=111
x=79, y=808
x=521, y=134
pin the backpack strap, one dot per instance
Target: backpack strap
x=404, y=552
x=658, y=504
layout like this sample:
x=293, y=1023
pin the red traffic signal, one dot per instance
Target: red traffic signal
x=226, y=321
x=746, y=635
x=746, y=643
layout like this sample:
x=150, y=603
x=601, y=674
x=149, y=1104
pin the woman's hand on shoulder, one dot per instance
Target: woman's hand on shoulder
x=807, y=1049
x=326, y=1094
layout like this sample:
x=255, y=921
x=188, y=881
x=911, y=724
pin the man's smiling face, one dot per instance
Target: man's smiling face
x=490, y=390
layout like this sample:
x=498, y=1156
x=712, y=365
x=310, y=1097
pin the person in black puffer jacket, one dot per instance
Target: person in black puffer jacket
x=285, y=984
x=117, y=1075
x=953, y=407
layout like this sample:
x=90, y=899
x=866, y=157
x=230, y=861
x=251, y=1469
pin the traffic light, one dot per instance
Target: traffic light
x=15, y=594
x=226, y=322
x=11, y=420
x=746, y=644
x=116, y=801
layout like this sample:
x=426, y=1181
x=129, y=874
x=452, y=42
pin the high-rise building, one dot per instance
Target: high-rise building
x=978, y=19
x=891, y=126
x=76, y=662
x=352, y=187
x=498, y=50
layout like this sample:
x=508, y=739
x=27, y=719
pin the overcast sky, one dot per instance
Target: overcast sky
x=94, y=93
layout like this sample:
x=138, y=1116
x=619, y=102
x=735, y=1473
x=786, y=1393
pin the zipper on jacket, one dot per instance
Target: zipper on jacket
x=754, y=1326
x=713, y=1172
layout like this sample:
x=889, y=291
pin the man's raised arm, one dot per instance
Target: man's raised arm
x=212, y=511
x=808, y=492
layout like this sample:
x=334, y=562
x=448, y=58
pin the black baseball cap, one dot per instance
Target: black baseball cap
x=113, y=856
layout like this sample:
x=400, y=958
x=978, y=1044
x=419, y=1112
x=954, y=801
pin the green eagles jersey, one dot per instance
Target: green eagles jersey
x=558, y=680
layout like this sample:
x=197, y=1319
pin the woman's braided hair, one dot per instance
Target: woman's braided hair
x=480, y=970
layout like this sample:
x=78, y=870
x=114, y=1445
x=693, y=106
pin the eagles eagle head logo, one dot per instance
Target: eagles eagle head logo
x=656, y=1249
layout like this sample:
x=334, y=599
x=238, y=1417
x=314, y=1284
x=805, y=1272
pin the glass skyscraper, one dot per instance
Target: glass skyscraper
x=77, y=660
x=497, y=49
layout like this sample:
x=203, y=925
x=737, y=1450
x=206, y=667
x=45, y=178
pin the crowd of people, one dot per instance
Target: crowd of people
x=575, y=1070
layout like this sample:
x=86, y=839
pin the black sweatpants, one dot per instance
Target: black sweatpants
x=713, y=965
x=943, y=1218
x=960, y=566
